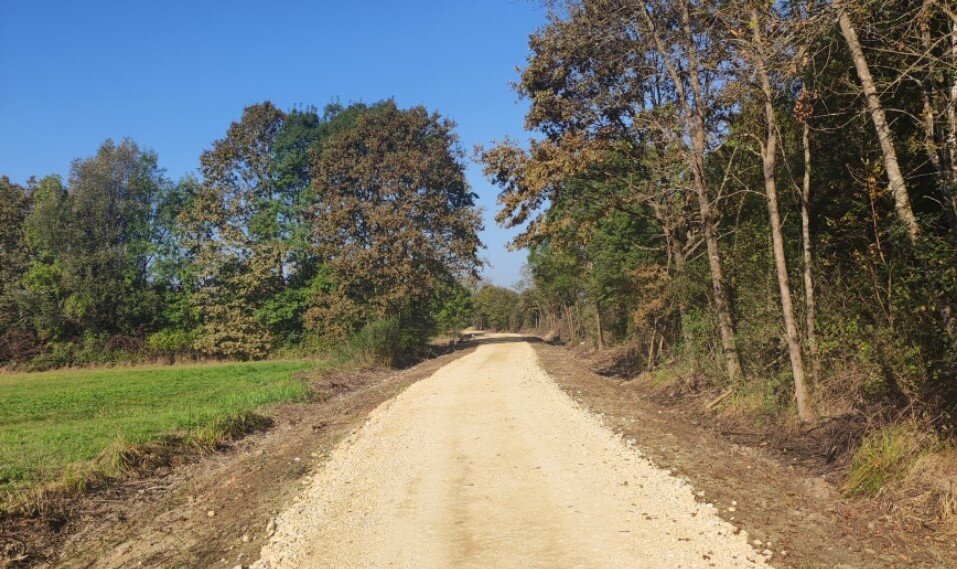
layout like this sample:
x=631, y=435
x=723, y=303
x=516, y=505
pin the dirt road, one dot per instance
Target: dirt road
x=487, y=463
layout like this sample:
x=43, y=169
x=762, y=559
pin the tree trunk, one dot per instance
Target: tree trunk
x=952, y=108
x=676, y=258
x=769, y=151
x=572, y=332
x=951, y=140
x=693, y=111
x=601, y=334
x=721, y=302
x=895, y=178
x=809, y=301
x=708, y=218
x=938, y=155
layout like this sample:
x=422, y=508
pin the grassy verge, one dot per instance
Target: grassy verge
x=884, y=457
x=70, y=426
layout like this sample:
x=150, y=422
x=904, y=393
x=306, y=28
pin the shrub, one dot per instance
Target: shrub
x=170, y=342
x=383, y=342
x=18, y=345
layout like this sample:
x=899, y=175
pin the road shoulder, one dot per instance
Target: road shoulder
x=800, y=517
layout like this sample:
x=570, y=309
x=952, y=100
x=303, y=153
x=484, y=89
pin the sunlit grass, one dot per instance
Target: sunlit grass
x=883, y=457
x=54, y=423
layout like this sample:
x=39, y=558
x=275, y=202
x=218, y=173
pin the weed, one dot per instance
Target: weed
x=882, y=458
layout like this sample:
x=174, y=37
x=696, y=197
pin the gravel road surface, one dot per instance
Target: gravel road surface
x=487, y=463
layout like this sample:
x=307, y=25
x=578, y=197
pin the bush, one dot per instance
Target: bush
x=18, y=345
x=382, y=342
x=89, y=350
x=170, y=342
x=55, y=354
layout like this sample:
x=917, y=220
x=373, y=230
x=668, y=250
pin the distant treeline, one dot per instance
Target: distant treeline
x=758, y=195
x=302, y=229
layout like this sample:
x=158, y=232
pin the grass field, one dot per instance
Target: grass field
x=60, y=421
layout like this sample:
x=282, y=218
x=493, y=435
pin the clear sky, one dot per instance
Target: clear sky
x=172, y=75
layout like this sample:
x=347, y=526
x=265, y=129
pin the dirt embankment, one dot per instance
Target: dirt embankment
x=777, y=490
x=211, y=512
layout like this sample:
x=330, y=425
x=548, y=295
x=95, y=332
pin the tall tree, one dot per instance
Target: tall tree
x=803, y=110
x=692, y=53
x=896, y=182
x=760, y=56
x=641, y=80
x=94, y=244
x=13, y=258
x=235, y=234
x=45, y=234
x=394, y=217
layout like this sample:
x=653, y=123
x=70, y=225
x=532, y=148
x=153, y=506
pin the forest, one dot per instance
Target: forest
x=304, y=231
x=757, y=197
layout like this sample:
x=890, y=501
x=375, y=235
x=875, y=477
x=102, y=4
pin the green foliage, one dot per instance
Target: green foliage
x=283, y=313
x=380, y=343
x=614, y=196
x=495, y=308
x=15, y=340
x=170, y=342
x=265, y=251
x=456, y=310
x=91, y=244
x=87, y=350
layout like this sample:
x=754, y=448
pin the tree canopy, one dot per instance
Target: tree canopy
x=361, y=205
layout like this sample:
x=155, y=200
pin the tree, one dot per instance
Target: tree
x=760, y=56
x=394, y=218
x=650, y=87
x=235, y=235
x=45, y=235
x=93, y=245
x=898, y=186
x=896, y=183
x=113, y=231
x=456, y=310
x=494, y=308
x=13, y=258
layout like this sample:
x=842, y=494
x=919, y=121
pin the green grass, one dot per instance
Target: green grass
x=882, y=457
x=55, y=424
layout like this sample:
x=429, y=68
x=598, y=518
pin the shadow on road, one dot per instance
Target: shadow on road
x=480, y=338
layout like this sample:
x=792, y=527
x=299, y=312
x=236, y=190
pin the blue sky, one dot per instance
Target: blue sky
x=172, y=75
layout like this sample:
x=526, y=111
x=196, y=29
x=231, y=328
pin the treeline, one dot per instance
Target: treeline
x=301, y=231
x=760, y=194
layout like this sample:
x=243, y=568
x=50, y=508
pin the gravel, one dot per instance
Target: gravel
x=487, y=463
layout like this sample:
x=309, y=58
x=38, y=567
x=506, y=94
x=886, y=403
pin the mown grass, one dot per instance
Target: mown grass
x=62, y=425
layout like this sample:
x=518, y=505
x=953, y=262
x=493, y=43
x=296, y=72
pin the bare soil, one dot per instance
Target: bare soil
x=776, y=487
x=209, y=511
